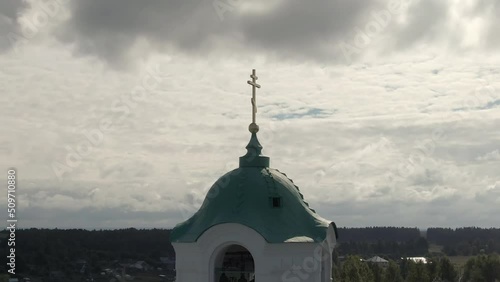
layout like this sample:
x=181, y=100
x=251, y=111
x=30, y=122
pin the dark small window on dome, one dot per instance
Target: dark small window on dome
x=276, y=202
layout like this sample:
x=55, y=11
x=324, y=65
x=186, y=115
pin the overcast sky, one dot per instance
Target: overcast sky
x=123, y=113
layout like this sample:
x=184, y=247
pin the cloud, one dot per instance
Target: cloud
x=304, y=29
x=425, y=22
x=487, y=11
x=490, y=195
x=10, y=11
x=118, y=31
x=114, y=30
x=491, y=156
x=353, y=138
x=94, y=218
x=111, y=30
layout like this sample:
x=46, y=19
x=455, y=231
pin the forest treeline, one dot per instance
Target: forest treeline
x=466, y=241
x=391, y=242
x=40, y=251
x=483, y=268
x=374, y=234
x=395, y=242
x=46, y=249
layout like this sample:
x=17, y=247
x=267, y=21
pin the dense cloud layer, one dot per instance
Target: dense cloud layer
x=10, y=11
x=335, y=31
x=413, y=130
x=415, y=136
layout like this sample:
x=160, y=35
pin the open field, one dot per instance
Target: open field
x=459, y=261
x=433, y=248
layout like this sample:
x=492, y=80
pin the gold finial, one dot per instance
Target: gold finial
x=253, y=127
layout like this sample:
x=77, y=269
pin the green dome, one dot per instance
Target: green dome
x=260, y=198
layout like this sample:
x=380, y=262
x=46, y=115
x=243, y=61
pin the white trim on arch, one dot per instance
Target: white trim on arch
x=218, y=238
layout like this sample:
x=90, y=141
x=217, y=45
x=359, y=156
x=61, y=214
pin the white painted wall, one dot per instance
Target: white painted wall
x=286, y=262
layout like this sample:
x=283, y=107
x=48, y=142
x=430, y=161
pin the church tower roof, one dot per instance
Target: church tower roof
x=257, y=196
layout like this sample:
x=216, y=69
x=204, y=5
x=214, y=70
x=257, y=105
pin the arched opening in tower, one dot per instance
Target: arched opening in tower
x=235, y=263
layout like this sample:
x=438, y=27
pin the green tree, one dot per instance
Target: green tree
x=446, y=270
x=4, y=278
x=336, y=272
x=354, y=270
x=392, y=273
x=482, y=269
x=418, y=273
x=377, y=272
x=405, y=267
x=432, y=266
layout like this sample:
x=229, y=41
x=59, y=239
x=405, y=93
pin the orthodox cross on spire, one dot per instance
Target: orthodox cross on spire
x=254, y=157
x=254, y=128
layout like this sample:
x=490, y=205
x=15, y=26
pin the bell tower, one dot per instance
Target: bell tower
x=254, y=225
